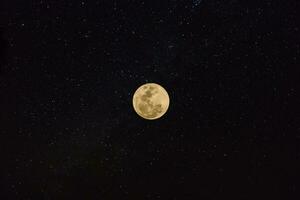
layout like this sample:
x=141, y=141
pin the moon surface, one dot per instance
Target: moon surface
x=151, y=101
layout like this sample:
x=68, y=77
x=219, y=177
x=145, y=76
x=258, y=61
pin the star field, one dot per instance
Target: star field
x=68, y=73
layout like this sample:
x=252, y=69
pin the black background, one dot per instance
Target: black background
x=68, y=73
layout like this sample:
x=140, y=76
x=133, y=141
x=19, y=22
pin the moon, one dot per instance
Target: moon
x=151, y=101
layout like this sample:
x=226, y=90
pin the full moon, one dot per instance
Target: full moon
x=151, y=101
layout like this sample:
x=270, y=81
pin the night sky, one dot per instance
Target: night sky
x=68, y=73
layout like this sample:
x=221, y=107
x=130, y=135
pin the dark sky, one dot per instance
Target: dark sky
x=68, y=73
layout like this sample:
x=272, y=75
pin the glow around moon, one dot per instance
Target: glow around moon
x=151, y=101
